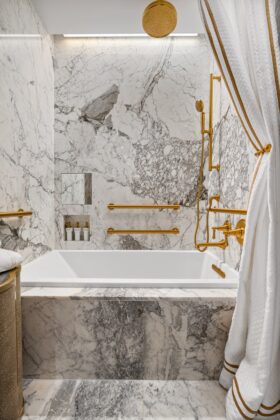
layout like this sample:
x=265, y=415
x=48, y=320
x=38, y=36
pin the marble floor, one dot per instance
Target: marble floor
x=122, y=399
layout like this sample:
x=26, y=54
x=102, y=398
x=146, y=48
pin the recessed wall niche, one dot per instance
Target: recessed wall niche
x=76, y=188
x=80, y=223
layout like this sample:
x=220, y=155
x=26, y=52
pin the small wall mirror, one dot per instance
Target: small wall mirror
x=76, y=188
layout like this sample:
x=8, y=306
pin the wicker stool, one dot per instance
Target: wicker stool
x=11, y=400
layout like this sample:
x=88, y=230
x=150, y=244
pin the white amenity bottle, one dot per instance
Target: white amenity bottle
x=77, y=232
x=86, y=232
x=69, y=232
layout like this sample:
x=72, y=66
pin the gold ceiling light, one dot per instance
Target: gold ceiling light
x=159, y=18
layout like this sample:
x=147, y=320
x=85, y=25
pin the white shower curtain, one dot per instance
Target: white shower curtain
x=243, y=37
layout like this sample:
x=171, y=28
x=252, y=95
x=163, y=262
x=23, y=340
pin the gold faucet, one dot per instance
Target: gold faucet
x=226, y=227
x=221, y=244
x=238, y=232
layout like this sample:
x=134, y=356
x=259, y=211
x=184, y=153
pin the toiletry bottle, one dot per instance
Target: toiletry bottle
x=86, y=231
x=69, y=231
x=77, y=232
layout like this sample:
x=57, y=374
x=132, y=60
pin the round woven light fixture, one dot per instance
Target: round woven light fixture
x=159, y=18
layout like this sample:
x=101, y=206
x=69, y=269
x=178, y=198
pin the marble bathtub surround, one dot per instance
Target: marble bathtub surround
x=105, y=399
x=125, y=112
x=124, y=334
x=26, y=131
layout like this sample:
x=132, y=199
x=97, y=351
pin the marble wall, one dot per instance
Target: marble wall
x=26, y=130
x=125, y=112
x=233, y=151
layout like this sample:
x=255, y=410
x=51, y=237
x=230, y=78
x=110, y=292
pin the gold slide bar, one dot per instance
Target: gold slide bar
x=113, y=206
x=19, y=213
x=228, y=211
x=112, y=231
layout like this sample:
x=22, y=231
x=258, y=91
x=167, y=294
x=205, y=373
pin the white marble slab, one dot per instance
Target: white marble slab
x=84, y=400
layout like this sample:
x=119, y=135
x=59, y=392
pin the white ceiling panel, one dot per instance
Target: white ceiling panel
x=109, y=16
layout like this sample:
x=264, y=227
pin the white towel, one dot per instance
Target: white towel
x=9, y=260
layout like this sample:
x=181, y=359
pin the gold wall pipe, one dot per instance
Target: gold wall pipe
x=210, y=130
x=112, y=206
x=19, y=213
x=228, y=211
x=112, y=231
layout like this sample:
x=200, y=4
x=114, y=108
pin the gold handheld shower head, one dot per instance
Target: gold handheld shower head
x=199, y=105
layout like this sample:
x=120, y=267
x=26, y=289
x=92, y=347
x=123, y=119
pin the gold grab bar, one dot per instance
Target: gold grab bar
x=112, y=231
x=218, y=271
x=19, y=213
x=112, y=206
x=228, y=211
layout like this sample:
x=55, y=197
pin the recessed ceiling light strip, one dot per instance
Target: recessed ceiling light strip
x=125, y=35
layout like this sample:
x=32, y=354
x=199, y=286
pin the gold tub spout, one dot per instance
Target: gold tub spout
x=221, y=244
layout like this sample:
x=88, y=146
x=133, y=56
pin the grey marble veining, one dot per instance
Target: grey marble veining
x=124, y=111
x=103, y=399
x=119, y=337
x=26, y=131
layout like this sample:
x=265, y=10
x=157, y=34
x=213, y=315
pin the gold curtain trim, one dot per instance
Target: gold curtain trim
x=231, y=73
x=238, y=407
x=266, y=407
x=224, y=78
x=231, y=365
x=241, y=398
x=228, y=370
x=269, y=414
x=272, y=49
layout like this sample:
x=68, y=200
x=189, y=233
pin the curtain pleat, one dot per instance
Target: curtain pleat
x=244, y=39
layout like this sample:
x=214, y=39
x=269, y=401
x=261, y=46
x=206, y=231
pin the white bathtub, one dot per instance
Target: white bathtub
x=183, y=269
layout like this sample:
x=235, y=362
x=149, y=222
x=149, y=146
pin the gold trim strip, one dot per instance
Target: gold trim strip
x=272, y=49
x=241, y=398
x=231, y=365
x=269, y=414
x=266, y=407
x=224, y=78
x=238, y=407
x=112, y=206
x=233, y=81
x=112, y=231
x=228, y=370
x=219, y=271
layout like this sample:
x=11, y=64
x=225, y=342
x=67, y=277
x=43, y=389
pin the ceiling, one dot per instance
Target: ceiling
x=109, y=16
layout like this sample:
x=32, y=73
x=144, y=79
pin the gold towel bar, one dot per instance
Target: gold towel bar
x=19, y=213
x=113, y=206
x=112, y=231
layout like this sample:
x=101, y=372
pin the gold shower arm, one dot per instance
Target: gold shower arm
x=112, y=231
x=112, y=206
x=19, y=213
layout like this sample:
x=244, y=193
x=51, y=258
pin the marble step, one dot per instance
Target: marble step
x=122, y=399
